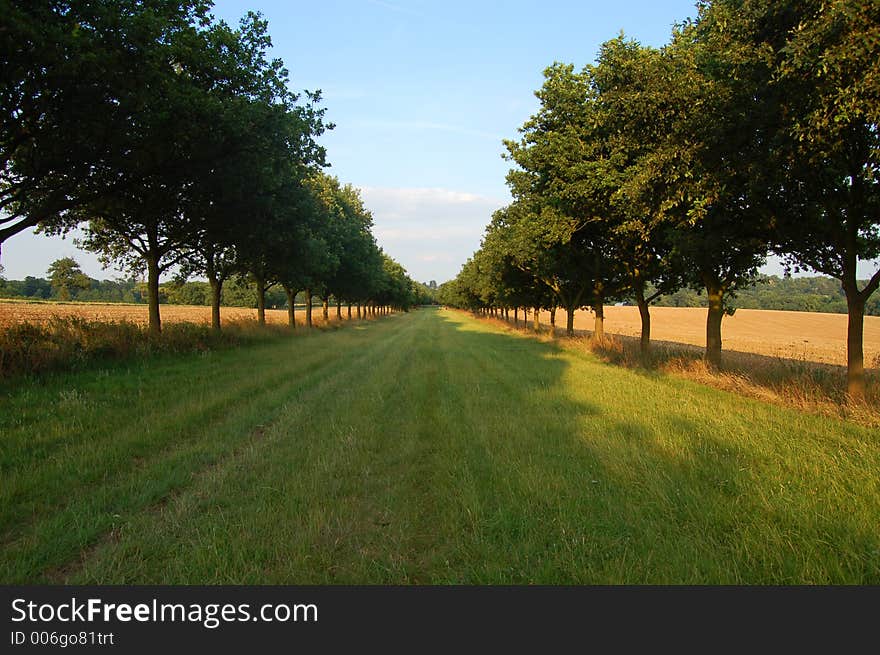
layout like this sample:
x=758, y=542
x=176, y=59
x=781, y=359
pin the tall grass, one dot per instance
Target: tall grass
x=67, y=343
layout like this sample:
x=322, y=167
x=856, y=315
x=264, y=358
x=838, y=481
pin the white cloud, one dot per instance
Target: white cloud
x=431, y=231
x=438, y=257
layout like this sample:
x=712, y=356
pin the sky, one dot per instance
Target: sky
x=422, y=95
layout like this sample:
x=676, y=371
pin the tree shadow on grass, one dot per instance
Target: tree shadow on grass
x=800, y=383
x=629, y=480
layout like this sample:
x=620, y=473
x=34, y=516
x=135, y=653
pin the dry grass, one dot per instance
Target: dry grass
x=15, y=312
x=39, y=337
x=811, y=386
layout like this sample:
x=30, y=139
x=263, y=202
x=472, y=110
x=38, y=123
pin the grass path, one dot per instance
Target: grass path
x=426, y=448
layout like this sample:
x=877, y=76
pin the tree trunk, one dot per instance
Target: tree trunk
x=325, y=310
x=153, y=294
x=349, y=311
x=216, y=293
x=715, y=294
x=308, y=308
x=261, y=302
x=359, y=311
x=569, y=322
x=599, y=313
x=291, y=316
x=645, y=315
x=338, y=309
x=855, y=359
x=553, y=321
x=537, y=319
x=515, y=317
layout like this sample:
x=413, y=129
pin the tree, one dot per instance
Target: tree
x=396, y=288
x=299, y=245
x=67, y=278
x=159, y=219
x=828, y=147
x=76, y=77
x=705, y=160
x=809, y=69
x=356, y=251
x=268, y=146
x=563, y=181
x=636, y=108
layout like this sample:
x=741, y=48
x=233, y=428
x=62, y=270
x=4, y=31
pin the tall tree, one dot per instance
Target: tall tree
x=564, y=174
x=66, y=278
x=809, y=71
x=706, y=160
x=820, y=64
x=636, y=109
x=211, y=78
x=76, y=76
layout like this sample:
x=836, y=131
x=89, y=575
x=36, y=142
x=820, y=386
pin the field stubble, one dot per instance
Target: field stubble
x=799, y=336
x=12, y=313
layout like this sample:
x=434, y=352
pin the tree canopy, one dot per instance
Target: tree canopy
x=754, y=130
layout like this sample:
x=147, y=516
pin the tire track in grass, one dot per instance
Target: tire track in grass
x=107, y=557
x=129, y=450
x=103, y=509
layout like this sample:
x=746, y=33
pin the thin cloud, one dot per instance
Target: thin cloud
x=431, y=231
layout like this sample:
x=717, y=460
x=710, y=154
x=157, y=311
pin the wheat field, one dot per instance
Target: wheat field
x=12, y=312
x=803, y=336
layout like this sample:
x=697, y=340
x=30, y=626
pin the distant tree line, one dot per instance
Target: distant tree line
x=175, y=140
x=797, y=294
x=753, y=131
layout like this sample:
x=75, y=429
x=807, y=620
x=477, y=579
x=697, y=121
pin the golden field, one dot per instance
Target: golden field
x=805, y=336
x=39, y=312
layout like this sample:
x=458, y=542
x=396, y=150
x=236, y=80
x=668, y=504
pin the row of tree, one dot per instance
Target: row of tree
x=66, y=281
x=175, y=139
x=753, y=131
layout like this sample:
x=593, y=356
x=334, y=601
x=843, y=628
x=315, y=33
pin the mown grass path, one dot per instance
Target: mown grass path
x=425, y=448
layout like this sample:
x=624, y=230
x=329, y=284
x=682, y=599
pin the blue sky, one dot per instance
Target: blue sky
x=422, y=94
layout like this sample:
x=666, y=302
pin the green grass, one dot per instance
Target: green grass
x=426, y=448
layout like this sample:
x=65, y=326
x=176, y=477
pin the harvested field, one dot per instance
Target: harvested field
x=39, y=312
x=803, y=336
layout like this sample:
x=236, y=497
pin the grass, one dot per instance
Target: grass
x=426, y=448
